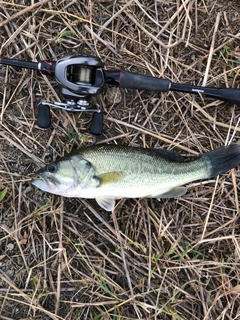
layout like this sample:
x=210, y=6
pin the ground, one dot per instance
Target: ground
x=170, y=259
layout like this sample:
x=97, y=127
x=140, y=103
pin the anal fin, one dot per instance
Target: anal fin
x=175, y=192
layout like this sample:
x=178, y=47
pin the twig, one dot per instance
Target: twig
x=120, y=240
x=22, y=12
x=26, y=297
x=211, y=49
x=18, y=146
x=145, y=131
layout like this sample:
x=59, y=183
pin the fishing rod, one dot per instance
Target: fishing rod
x=81, y=77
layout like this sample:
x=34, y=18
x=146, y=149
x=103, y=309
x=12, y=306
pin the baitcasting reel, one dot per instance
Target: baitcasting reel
x=81, y=77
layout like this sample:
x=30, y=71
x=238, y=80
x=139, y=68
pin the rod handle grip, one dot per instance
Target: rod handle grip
x=137, y=81
x=229, y=95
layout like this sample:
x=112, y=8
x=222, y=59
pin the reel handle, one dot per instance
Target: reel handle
x=96, y=126
x=44, y=116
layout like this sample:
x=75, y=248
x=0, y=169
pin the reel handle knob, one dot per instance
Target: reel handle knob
x=96, y=126
x=44, y=116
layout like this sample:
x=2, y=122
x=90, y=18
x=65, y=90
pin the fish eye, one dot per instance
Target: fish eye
x=52, y=168
x=88, y=164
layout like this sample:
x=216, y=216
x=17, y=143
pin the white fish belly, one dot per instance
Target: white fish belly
x=144, y=185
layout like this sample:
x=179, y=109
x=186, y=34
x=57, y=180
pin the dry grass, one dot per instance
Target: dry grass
x=68, y=259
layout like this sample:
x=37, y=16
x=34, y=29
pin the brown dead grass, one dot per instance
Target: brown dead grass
x=68, y=259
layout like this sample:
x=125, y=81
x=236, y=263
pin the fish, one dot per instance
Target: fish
x=110, y=172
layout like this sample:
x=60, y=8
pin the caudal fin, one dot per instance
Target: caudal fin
x=223, y=159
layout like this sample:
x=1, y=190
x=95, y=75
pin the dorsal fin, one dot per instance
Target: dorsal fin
x=169, y=155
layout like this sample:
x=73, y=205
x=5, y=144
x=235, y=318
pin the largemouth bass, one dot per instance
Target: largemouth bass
x=109, y=172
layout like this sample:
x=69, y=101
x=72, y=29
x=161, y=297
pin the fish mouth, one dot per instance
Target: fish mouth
x=42, y=179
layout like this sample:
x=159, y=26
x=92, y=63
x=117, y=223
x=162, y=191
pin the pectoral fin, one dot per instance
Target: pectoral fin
x=176, y=192
x=107, y=203
x=110, y=177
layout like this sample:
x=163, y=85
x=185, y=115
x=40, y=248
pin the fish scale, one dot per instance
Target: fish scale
x=141, y=165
